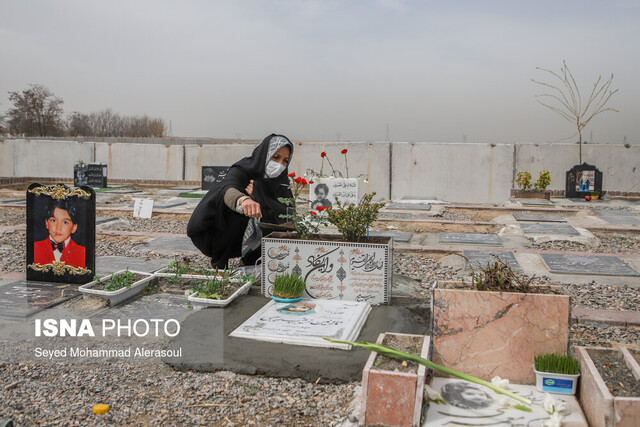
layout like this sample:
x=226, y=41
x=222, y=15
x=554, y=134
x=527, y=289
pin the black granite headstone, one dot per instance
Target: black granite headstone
x=480, y=259
x=91, y=174
x=212, y=175
x=61, y=233
x=581, y=180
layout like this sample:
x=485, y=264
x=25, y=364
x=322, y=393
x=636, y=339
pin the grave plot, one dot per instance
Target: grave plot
x=24, y=298
x=409, y=206
x=167, y=244
x=618, y=217
x=160, y=305
x=535, y=202
x=480, y=259
x=110, y=264
x=168, y=204
x=105, y=219
x=535, y=228
x=587, y=264
x=470, y=238
x=538, y=217
x=397, y=236
x=306, y=322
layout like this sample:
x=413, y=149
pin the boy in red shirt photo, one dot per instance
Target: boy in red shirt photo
x=61, y=222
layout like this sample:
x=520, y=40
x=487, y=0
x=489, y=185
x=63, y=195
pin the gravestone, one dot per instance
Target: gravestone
x=169, y=204
x=469, y=404
x=538, y=217
x=410, y=206
x=535, y=228
x=397, y=236
x=142, y=208
x=161, y=305
x=470, y=238
x=581, y=180
x=24, y=298
x=110, y=264
x=92, y=174
x=9, y=200
x=587, y=264
x=306, y=322
x=105, y=219
x=480, y=259
x=618, y=216
x=324, y=191
x=535, y=202
x=212, y=175
x=169, y=244
x=61, y=233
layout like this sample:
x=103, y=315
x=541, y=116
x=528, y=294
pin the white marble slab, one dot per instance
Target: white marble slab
x=142, y=208
x=306, y=322
x=473, y=405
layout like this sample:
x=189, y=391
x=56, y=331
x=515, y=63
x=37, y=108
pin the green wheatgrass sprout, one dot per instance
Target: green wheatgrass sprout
x=397, y=354
x=288, y=285
x=556, y=363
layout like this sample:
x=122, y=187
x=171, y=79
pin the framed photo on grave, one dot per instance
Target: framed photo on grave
x=92, y=174
x=581, y=180
x=324, y=191
x=61, y=233
x=212, y=175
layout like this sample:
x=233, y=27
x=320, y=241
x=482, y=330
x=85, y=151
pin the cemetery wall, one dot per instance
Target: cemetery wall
x=457, y=172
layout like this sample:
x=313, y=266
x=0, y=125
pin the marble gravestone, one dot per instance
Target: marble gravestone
x=324, y=191
x=587, y=264
x=93, y=174
x=480, y=259
x=306, y=322
x=410, y=206
x=470, y=238
x=534, y=228
x=23, y=298
x=538, y=217
x=470, y=404
x=142, y=208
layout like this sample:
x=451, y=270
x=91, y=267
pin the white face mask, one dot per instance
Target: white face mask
x=274, y=169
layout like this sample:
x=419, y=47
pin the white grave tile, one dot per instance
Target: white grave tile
x=306, y=322
x=470, y=238
x=470, y=404
x=142, y=208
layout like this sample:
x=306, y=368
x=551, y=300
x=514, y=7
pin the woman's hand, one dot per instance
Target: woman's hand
x=249, y=189
x=251, y=208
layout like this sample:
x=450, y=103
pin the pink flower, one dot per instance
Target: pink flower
x=344, y=151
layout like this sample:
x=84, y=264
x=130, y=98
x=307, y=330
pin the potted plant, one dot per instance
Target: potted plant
x=118, y=286
x=608, y=386
x=496, y=324
x=556, y=373
x=288, y=287
x=219, y=291
x=527, y=190
x=351, y=267
x=595, y=195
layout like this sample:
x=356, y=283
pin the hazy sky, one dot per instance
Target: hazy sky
x=323, y=70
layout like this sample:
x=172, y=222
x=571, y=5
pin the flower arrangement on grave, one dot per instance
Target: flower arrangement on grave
x=334, y=172
x=305, y=225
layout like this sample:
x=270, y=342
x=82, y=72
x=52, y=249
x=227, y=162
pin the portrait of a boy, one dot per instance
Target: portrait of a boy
x=61, y=222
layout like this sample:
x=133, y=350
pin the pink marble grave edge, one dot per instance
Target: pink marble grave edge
x=463, y=311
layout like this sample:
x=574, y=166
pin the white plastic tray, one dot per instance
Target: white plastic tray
x=116, y=297
x=200, y=303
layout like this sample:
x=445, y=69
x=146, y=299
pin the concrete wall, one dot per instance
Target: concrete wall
x=457, y=172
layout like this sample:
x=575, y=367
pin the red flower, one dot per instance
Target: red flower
x=298, y=180
x=292, y=174
x=344, y=151
x=320, y=208
x=304, y=181
x=323, y=154
x=313, y=213
x=310, y=182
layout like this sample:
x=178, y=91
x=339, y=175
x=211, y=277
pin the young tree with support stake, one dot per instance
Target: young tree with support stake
x=565, y=99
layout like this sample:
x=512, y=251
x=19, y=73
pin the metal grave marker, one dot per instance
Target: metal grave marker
x=306, y=322
x=470, y=239
x=587, y=264
x=534, y=228
x=480, y=259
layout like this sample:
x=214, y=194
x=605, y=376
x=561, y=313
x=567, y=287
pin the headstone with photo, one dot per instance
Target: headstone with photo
x=324, y=191
x=581, y=180
x=91, y=174
x=142, y=208
x=212, y=175
x=61, y=233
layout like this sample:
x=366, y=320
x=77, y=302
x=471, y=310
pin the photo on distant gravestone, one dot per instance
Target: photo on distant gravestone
x=581, y=180
x=212, y=175
x=60, y=233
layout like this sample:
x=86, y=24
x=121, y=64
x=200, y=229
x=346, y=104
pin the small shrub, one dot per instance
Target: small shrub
x=288, y=286
x=556, y=363
x=523, y=179
x=499, y=276
x=543, y=181
x=353, y=220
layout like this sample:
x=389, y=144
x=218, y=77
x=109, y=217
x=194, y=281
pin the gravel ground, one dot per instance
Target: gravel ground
x=150, y=393
x=606, y=243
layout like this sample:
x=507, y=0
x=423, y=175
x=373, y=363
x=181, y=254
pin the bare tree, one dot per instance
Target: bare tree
x=565, y=99
x=36, y=112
